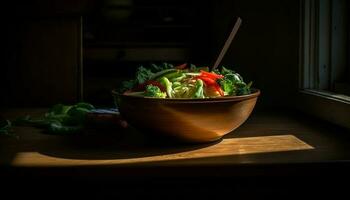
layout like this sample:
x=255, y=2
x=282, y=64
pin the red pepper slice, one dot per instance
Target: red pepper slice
x=218, y=88
x=206, y=80
x=211, y=75
x=183, y=66
x=209, y=79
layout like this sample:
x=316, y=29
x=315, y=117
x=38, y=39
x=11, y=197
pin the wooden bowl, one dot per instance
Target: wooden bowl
x=190, y=120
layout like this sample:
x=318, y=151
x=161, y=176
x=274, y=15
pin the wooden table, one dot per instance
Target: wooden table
x=269, y=144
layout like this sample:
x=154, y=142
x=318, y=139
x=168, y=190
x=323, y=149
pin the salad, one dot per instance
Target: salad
x=185, y=81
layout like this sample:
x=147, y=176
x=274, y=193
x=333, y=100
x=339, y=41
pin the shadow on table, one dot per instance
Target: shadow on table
x=125, y=144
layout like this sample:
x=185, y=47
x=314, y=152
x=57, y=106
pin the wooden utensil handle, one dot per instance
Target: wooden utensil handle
x=228, y=43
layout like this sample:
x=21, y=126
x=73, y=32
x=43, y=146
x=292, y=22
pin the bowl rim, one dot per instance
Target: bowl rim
x=255, y=93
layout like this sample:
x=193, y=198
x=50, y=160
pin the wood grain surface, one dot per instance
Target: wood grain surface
x=227, y=147
x=265, y=139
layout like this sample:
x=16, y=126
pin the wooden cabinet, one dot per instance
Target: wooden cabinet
x=42, y=64
x=47, y=65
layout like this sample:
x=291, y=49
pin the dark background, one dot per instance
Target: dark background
x=63, y=51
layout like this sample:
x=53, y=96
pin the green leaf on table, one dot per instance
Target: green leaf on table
x=59, y=128
x=60, y=118
x=6, y=128
x=85, y=105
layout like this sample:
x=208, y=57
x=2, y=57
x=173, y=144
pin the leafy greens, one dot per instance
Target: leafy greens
x=60, y=119
x=186, y=81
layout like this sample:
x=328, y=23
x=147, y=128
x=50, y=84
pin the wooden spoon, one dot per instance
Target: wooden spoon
x=227, y=43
